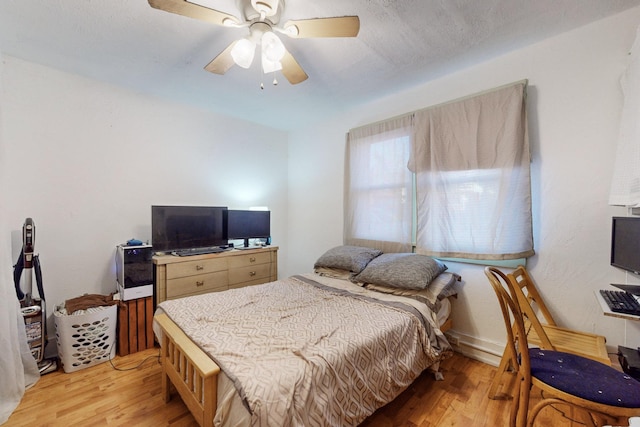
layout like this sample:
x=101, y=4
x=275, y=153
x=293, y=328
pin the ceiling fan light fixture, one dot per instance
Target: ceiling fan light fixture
x=243, y=52
x=262, y=18
x=272, y=47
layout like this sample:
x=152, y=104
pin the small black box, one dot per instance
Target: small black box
x=629, y=359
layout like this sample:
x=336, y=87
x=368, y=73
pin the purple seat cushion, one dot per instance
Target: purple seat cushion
x=585, y=378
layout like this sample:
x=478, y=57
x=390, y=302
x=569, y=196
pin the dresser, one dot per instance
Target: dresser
x=177, y=277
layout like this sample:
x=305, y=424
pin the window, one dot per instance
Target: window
x=380, y=191
x=470, y=163
x=385, y=195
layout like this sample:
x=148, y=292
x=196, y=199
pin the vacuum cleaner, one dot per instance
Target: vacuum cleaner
x=33, y=308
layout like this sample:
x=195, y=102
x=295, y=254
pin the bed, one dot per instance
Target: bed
x=323, y=348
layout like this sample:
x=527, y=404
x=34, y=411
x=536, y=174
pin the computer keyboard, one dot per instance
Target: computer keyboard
x=621, y=302
x=198, y=251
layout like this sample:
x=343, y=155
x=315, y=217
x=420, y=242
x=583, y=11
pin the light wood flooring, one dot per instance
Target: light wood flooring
x=101, y=395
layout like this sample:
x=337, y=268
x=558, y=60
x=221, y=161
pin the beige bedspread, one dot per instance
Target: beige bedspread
x=302, y=353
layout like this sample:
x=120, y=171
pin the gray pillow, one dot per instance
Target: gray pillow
x=402, y=270
x=443, y=285
x=350, y=258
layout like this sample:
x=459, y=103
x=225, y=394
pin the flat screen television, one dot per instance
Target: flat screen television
x=187, y=227
x=625, y=243
x=247, y=224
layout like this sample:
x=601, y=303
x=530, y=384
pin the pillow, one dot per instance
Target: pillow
x=350, y=258
x=440, y=288
x=402, y=270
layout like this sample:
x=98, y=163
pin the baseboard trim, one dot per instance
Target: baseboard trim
x=475, y=348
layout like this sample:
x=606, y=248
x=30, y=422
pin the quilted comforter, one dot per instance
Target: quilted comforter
x=305, y=353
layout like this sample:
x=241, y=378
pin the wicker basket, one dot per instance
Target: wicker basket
x=86, y=339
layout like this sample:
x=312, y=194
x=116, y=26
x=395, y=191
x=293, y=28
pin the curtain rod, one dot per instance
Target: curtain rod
x=523, y=81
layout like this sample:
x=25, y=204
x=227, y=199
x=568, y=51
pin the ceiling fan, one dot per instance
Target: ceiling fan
x=262, y=18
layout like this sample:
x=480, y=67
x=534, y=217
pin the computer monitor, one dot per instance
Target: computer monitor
x=248, y=224
x=625, y=243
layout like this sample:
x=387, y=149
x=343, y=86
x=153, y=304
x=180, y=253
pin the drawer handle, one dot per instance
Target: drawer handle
x=199, y=267
x=252, y=273
x=199, y=283
x=252, y=259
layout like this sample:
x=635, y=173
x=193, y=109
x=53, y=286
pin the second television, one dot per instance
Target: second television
x=248, y=224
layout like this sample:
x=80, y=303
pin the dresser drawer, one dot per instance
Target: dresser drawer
x=198, y=284
x=249, y=273
x=190, y=268
x=249, y=259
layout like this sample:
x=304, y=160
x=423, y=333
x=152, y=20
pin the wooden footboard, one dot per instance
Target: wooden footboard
x=190, y=370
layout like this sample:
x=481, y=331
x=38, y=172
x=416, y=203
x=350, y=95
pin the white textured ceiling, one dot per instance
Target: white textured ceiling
x=401, y=43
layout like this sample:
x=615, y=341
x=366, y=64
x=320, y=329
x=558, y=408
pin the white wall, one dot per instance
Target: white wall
x=574, y=106
x=87, y=160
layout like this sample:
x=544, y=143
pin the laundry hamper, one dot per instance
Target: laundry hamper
x=86, y=339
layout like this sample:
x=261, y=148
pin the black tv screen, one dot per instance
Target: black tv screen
x=187, y=227
x=246, y=224
x=625, y=243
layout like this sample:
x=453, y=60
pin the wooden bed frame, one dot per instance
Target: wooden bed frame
x=192, y=372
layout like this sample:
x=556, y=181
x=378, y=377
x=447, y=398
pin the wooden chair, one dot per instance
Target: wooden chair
x=598, y=391
x=542, y=331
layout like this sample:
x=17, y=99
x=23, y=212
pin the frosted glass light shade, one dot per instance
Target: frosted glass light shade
x=272, y=47
x=270, y=66
x=243, y=52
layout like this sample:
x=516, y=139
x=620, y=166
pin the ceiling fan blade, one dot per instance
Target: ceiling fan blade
x=292, y=70
x=196, y=11
x=343, y=26
x=222, y=62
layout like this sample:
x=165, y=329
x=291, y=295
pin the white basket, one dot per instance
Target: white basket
x=86, y=339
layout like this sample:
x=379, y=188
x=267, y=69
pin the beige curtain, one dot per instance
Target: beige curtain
x=378, y=186
x=471, y=159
